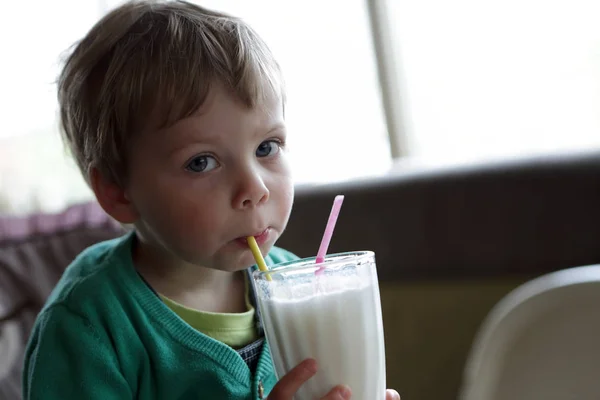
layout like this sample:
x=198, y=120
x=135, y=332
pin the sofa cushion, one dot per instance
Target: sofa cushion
x=34, y=251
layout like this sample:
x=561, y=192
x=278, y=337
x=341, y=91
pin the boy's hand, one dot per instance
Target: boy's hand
x=287, y=386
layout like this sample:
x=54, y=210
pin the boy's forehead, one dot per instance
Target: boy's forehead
x=221, y=99
x=221, y=110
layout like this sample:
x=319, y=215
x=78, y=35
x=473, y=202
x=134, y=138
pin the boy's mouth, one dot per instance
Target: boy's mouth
x=261, y=237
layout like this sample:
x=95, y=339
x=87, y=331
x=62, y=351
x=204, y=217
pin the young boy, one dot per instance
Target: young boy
x=175, y=116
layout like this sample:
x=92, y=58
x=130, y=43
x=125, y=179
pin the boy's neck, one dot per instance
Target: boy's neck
x=193, y=286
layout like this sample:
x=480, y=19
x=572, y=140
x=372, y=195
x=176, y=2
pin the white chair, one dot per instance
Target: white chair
x=541, y=342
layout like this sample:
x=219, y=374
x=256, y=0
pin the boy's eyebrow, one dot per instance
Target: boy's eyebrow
x=279, y=126
x=185, y=138
x=203, y=137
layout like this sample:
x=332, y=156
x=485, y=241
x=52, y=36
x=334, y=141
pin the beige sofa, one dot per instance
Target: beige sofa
x=449, y=244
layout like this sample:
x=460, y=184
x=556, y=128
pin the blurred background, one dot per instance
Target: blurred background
x=463, y=81
x=465, y=135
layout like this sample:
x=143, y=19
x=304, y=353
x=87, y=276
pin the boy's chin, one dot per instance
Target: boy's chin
x=242, y=262
x=247, y=261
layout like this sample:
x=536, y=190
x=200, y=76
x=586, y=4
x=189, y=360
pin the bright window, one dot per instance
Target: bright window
x=477, y=81
x=497, y=79
x=34, y=172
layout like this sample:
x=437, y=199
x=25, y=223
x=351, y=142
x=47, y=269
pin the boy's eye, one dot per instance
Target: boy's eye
x=267, y=148
x=202, y=164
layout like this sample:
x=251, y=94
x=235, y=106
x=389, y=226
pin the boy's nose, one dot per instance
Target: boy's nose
x=251, y=192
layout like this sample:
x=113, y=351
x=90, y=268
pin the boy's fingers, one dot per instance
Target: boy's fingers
x=287, y=386
x=340, y=392
x=391, y=395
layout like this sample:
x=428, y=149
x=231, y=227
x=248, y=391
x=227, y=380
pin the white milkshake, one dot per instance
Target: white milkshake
x=335, y=319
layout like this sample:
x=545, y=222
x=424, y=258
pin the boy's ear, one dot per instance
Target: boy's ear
x=112, y=198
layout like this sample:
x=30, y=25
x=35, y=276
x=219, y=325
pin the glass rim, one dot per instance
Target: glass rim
x=305, y=263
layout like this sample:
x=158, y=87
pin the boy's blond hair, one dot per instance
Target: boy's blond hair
x=153, y=62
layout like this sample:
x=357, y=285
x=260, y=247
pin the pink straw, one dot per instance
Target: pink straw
x=333, y=216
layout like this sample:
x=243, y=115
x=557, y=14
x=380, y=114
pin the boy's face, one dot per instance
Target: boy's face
x=202, y=185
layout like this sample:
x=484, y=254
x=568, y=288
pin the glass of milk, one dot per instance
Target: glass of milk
x=330, y=312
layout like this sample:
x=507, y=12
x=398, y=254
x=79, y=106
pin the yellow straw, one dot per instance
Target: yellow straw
x=260, y=261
